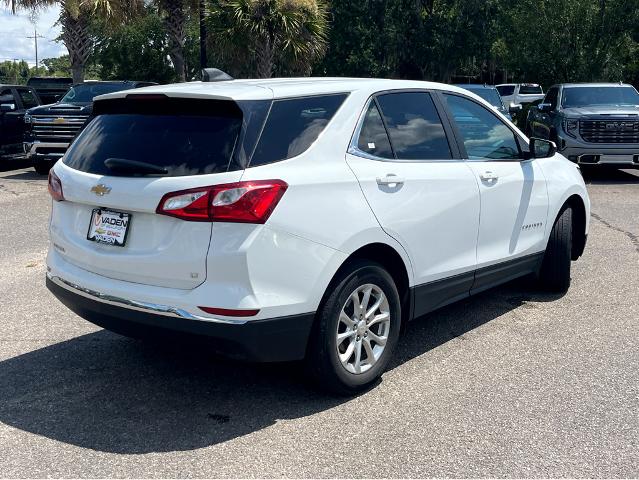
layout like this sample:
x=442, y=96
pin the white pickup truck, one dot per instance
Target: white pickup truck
x=518, y=93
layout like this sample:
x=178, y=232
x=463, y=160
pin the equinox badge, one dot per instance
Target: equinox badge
x=100, y=189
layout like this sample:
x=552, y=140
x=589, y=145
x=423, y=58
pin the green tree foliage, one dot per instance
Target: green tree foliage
x=134, y=51
x=570, y=40
x=16, y=73
x=266, y=37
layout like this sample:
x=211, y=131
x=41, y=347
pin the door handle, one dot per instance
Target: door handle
x=390, y=179
x=488, y=176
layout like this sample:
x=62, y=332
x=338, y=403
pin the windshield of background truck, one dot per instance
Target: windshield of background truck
x=589, y=96
x=84, y=93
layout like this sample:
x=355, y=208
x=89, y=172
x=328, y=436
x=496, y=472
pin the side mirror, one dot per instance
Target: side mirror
x=544, y=107
x=515, y=108
x=540, y=148
x=7, y=107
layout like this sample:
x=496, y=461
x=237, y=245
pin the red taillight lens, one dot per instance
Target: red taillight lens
x=243, y=202
x=229, y=312
x=55, y=187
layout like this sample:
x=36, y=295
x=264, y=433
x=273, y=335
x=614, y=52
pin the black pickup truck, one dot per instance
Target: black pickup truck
x=14, y=102
x=52, y=128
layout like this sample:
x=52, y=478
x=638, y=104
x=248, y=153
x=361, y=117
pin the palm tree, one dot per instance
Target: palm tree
x=176, y=14
x=75, y=18
x=283, y=36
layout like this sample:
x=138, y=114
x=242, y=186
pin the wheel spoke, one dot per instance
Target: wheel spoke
x=344, y=357
x=372, y=337
x=346, y=319
x=375, y=306
x=342, y=336
x=366, y=298
x=378, y=318
x=358, y=356
x=370, y=357
x=357, y=306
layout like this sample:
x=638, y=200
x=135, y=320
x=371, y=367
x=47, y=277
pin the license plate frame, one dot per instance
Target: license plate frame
x=102, y=238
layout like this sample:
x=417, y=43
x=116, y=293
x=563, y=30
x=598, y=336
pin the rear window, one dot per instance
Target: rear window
x=184, y=138
x=530, y=90
x=505, y=90
x=293, y=125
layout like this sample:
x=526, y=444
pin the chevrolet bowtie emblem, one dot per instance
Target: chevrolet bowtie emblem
x=100, y=189
x=59, y=120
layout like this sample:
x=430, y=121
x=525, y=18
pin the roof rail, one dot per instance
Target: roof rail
x=215, y=75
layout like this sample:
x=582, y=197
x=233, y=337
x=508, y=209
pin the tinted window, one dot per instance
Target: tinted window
x=85, y=92
x=293, y=125
x=484, y=135
x=609, y=96
x=6, y=96
x=530, y=90
x=414, y=127
x=551, y=97
x=505, y=90
x=491, y=95
x=373, y=138
x=184, y=143
x=28, y=98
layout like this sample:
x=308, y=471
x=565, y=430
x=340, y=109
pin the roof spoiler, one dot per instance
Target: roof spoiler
x=215, y=75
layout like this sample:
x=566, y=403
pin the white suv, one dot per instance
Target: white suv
x=303, y=218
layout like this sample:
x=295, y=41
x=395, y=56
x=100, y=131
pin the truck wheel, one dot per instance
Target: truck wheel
x=42, y=167
x=356, y=330
x=555, y=269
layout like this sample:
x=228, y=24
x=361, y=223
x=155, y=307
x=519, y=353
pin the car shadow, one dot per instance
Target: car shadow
x=28, y=175
x=8, y=164
x=609, y=176
x=103, y=392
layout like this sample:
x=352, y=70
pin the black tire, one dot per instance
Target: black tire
x=555, y=270
x=322, y=360
x=42, y=167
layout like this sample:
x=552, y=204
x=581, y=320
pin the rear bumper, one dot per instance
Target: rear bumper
x=265, y=340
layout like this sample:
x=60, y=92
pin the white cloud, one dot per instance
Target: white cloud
x=14, y=30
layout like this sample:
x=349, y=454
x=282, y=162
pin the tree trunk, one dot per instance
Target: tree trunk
x=265, y=54
x=174, y=21
x=76, y=37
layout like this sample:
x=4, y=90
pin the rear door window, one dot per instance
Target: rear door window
x=415, y=129
x=185, y=137
x=373, y=138
x=28, y=98
x=293, y=125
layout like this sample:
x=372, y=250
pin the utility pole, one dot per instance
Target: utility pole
x=35, y=38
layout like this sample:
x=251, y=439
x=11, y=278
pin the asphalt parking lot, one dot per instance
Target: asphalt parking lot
x=509, y=383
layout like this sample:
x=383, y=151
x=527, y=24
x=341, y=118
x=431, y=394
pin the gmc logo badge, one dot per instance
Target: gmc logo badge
x=618, y=126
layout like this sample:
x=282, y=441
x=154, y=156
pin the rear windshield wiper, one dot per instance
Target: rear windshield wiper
x=122, y=165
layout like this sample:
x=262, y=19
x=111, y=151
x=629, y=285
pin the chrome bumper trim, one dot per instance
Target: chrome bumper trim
x=32, y=147
x=154, y=308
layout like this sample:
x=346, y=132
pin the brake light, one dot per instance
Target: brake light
x=240, y=202
x=55, y=187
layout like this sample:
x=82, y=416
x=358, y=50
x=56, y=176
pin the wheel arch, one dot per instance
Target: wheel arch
x=579, y=224
x=389, y=258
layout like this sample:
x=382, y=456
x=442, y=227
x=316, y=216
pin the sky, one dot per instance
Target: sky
x=15, y=28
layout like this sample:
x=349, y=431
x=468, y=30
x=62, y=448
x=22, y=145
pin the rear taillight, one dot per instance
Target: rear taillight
x=55, y=187
x=242, y=202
